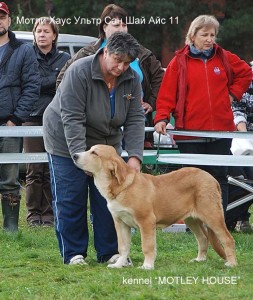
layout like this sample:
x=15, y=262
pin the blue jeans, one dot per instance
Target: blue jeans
x=9, y=173
x=70, y=187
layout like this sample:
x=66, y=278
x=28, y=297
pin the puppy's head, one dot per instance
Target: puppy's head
x=101, y=160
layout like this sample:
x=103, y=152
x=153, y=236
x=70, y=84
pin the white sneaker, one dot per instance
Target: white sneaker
x=77, y=260
x=115, y=258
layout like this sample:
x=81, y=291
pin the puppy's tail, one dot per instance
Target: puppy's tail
x=215, y=243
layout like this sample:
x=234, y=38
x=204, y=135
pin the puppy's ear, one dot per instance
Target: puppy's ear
x=118, y=170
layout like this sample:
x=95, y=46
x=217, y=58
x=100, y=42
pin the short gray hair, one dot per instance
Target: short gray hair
x=199, y=23
x=123, y=43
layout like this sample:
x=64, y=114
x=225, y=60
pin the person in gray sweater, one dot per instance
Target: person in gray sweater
x=97, y=102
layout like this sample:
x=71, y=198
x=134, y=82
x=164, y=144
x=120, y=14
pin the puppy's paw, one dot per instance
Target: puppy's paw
x=197, y=259
x=115, y=266
x=121, y=262
x=231, y=264
x=146, y=267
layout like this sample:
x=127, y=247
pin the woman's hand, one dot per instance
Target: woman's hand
x=147, y=107
x=10, y=123
x=134, y=163
x=160, y=127
x=241, y=126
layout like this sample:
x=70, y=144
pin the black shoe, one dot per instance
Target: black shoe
x=47, y=224
x=34, y=223
x=231, y=225
x=244, y=227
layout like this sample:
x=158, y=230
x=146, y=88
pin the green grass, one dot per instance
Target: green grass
x=31, y=268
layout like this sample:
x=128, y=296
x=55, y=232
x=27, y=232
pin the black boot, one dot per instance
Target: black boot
x=10, y=209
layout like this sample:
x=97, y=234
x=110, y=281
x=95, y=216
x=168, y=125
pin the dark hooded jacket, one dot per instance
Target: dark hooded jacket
x=19, y=81
x=49, y=68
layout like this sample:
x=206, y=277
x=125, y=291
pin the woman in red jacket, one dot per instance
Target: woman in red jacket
x=198, y=87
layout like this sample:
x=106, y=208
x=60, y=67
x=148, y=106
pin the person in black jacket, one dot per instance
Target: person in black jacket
x=19, y=88
x=51, y=60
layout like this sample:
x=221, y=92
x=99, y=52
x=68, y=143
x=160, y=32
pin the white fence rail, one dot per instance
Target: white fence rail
x=189, y=159
x=200, y=159
x=37, y=131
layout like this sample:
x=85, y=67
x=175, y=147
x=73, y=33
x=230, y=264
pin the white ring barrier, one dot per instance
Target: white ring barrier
x=41, y=157
x=210, y=134
x=31, y=131
x=201, y=159
x=213, y=134
x=23, y=158
x=192, y=159
x=206, y=159
x=21, y=131
x=37, y=131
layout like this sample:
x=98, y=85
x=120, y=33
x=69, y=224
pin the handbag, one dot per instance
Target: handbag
x=242, y=146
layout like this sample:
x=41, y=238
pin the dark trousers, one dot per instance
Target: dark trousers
x=9, y=173
x=70, y=187
x=38, y=187
x=220, y=147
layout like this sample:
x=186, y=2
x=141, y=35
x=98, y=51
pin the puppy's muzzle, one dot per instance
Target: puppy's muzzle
x=75, y=158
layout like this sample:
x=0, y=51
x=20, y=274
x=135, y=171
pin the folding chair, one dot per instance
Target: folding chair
x=242, y=147
x=247, y=185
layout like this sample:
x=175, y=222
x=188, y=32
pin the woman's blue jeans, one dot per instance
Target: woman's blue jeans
x=70, y=187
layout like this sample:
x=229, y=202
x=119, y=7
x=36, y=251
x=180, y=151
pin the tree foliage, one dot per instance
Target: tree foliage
x=237, y=28
x=162, y=38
